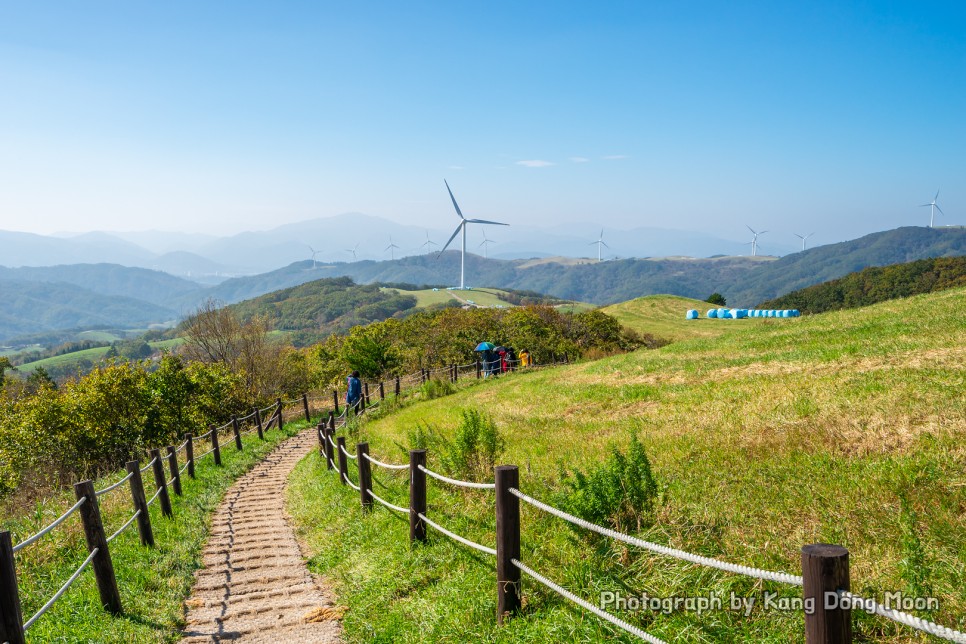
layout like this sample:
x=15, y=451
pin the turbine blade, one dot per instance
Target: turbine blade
x=604, y=244
x=940, y=210
x=751, y=229
x=937, y=196
x=484, y=221
x=923, y=205
x=592, y=243
x=455, y=233
x=455, y=205
x=763, y=232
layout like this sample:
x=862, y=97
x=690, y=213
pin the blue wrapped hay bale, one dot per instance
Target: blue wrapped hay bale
x=692, y=314
x=712, y=314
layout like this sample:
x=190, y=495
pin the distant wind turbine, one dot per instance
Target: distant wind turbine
x=600, y=242
x=754, y=242
x=391, y=248
x=485, y=244
x=803, y=238
x=428, y=244
x=353, y=251
x=462, y=228
x=314, y=253
x=933, y=207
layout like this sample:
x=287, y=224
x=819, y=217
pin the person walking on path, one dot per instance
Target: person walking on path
x=353, y=392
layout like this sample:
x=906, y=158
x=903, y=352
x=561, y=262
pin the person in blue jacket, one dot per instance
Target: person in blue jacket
x=354, y=391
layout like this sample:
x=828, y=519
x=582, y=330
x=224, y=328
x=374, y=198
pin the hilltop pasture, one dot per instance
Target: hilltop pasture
x=845, y=427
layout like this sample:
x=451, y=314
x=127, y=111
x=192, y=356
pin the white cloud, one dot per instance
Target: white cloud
x=614, y=157
x=535, y=163
x=579, y=159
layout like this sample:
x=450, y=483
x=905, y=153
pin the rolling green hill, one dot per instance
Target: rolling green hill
x=846, y=427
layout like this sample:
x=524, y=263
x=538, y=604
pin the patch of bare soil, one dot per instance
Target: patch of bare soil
x=255, y=586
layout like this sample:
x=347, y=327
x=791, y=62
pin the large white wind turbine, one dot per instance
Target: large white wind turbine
x=462, y=227
x=353, y=251
x=803, y=238
x=391, y=248
x=933, y=207
x=486, y=243
x=600, y=242
x=754, y=242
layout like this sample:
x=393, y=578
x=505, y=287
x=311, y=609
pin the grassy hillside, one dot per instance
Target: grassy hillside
x=845, y=427
x=663, y=317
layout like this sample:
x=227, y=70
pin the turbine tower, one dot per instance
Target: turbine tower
x=391, y=248
x=353, y=251
x=803, y=238
x=754, y=242
x=485, y=244
x=462, y=228
x=600, y=242
x=933, y=207
x=428, y=244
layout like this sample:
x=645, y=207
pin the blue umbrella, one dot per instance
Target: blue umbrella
x=484, y=346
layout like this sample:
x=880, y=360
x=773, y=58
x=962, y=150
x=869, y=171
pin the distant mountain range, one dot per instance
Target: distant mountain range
x=208, y=259
x=71, y=296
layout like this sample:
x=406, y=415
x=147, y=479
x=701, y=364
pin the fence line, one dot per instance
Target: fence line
x=470, y=484
x=56, y=522
x=63, y=589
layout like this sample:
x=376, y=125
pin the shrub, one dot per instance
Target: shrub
x=436, y=388
x=717, y=299
x=620, y=493
x=475, y=448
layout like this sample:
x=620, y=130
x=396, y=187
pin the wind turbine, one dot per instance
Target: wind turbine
x=754, y=242
x=485, y=244
x=462, y=227
x=933, y=207
x=803, y=238
x=391, y=248
x=600, y=242
x=314, y=253
x=353, y=251
x=428, y=244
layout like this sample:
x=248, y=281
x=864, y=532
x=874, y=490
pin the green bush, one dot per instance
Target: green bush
x=436, y=388
x=620, y=493
x=476, y=446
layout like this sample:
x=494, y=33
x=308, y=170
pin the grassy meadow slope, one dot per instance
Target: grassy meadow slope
x=845, y=427
x=663, y=316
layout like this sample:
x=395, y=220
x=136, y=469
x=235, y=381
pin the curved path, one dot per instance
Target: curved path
x=255, y=586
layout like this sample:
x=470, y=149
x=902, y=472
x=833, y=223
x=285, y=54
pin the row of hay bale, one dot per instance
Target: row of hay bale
x=738, y=314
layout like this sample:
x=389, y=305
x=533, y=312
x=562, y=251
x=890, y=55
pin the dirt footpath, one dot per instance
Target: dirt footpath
x=255, y=586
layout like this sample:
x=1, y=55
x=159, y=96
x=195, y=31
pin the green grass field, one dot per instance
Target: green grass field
x=663, y=316
x=842, y=428
x=93, y=355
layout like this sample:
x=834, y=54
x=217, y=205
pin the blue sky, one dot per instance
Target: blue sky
x=219, y=117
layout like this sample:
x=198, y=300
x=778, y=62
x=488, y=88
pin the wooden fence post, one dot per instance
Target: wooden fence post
x=365, y=475
x=479, y=371
x=11, y=617
x=173, y=466
x=278, y=413
x=343, y=463
x=825, y=570
x=335, y=400
x=382, y=392
x=398, y=389
x=161, y=484
x=140, y=503
x=258, y=424
x=236, y=428
x=215, y=446
x=417, y=495
x=365, y=394
x=305, y=406
x=189, y=453
x=94, y=533
x=320, y=429
x=329, y=456
x=456, y=373
x=507, y=542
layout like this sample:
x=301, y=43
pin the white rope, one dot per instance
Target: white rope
x=204, y=436
x=440, y=477
x=587, y=605
x=124, y=527
x=348, y=455
x=111, y=488
x=183, y=468
x=26, y=542
x=149, y=465
x=225, y=426
x=59, y=593
x=169, y=483
x=387, y=503
x=664, y=550
x=155, y=496
x=205, y=454
x=389, y=466
x=904, y=618
x=345, y=477
x=453, y=535
x=181, y=446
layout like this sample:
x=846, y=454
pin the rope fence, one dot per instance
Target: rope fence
x=60, y=593
x=45, y=531
x=111, y=488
